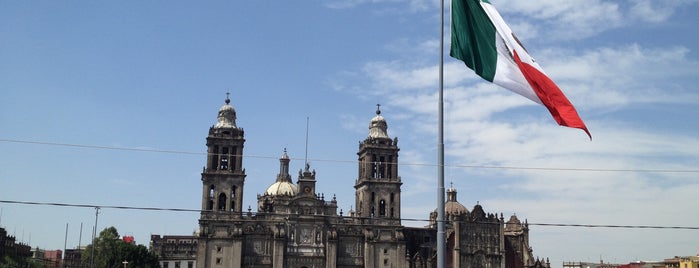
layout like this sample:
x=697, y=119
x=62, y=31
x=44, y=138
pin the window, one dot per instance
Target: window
x=218, y=249
x=382, y=208
x=224, y=158
x=218, y=260
x=165, y=264
x=190, y=264
x=210, y=205
x=373, y=166
x=222, y=201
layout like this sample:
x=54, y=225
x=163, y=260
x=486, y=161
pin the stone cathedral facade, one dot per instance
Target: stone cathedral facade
x=296, y=227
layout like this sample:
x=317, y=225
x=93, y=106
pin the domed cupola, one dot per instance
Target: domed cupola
x=452, y=206
x=378, y=127
x=226, y=115
x=283, y=185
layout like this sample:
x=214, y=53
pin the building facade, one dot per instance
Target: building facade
x=175, y=251
x=73, y=258
x=48, y=258
x=17, y=252
x=294, y=226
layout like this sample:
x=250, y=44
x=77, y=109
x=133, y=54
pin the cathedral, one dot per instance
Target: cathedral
x=296, y=227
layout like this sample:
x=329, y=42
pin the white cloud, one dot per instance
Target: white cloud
x=656, y=11
x=576, y=19
x=410, y=5
x=489, y=127
x=613, y=77
x=580, y=19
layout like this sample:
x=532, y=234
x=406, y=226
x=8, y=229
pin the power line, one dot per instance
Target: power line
x=98, y=206
x=615, y=226
x=363, y=218
x=101, y=147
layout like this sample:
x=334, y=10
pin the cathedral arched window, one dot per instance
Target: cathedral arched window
x=210, y=202
x=382, y=208
x=224, y=158
x=373, y=167
x=222, y=201
x=382, y=168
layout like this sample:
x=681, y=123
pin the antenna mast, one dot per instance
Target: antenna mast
x=306, y=157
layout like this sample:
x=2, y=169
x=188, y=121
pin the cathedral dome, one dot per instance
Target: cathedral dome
x=226, y=116
x=451, y=206
x=282, y=188
x=378, y=127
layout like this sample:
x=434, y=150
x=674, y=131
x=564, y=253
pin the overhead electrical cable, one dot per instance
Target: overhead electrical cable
x=101, y=147
x=361, y=218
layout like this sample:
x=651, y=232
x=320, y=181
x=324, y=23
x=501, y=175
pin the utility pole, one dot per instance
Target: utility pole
x=94, y=233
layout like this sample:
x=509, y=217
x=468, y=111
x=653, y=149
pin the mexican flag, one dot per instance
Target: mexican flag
x=482, y=40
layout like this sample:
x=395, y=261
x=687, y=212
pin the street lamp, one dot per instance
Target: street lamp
x=125, y=263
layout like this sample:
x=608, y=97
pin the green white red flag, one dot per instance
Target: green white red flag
x=484, y=42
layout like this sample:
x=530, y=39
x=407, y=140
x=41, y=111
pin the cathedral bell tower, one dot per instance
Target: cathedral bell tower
x=223, y=177
x=378, y=186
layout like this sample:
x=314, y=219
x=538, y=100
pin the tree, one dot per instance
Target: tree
x=110, y=252
x=8, y=262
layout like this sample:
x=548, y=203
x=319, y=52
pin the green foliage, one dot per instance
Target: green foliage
x=111, y=252
x=8, y=262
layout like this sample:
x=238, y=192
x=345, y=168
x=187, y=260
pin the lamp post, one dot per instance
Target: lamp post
x=125, y=263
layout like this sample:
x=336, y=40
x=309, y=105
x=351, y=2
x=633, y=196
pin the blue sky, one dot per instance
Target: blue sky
x=152, y=75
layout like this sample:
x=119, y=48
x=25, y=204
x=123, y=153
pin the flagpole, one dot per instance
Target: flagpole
x=441, y=243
